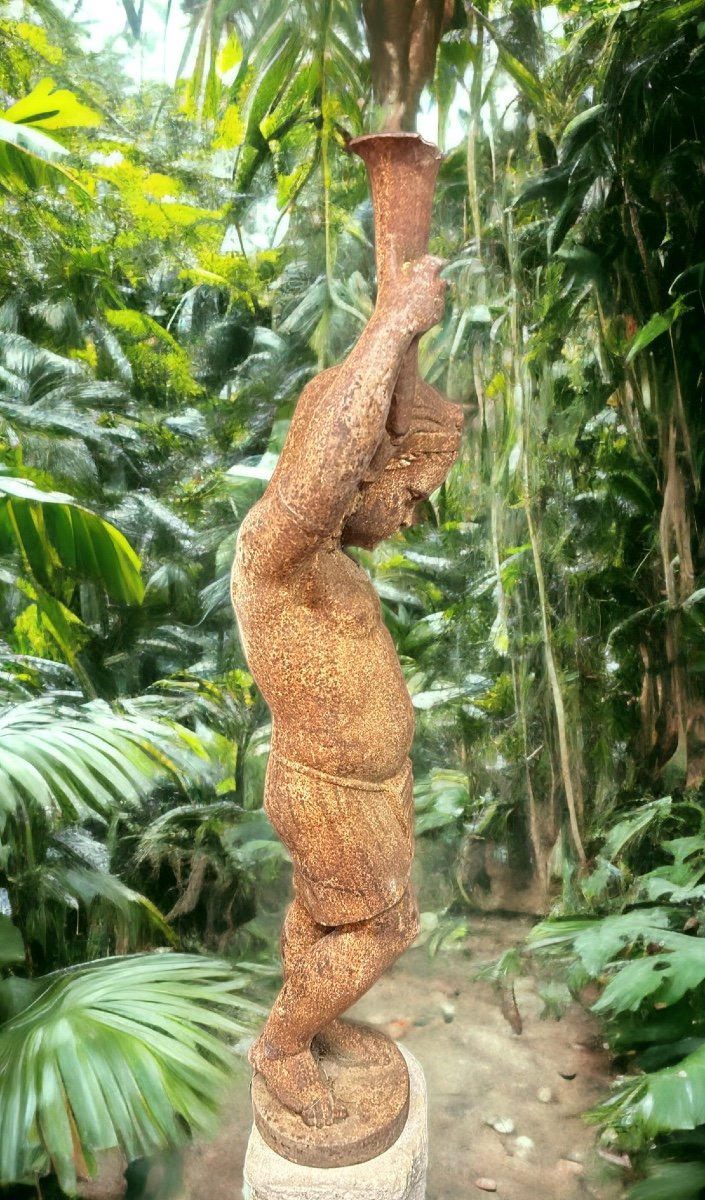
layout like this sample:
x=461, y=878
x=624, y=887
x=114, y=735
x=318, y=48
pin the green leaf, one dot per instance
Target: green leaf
x=259, y=92
x=658, y=324
x=672, y=1181
x=55, y=535
x=230, y=55
x=666, y=976
x=597, y=941
x=528, y=84
x=633, y=983
x=663, y=1101
x=29, y=159
x=121, y=1053
x=625, y=832
x=579, y=130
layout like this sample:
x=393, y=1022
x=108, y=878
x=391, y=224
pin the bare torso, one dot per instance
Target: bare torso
x=318, y=648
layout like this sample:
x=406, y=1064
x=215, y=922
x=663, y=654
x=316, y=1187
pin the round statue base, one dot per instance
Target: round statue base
x=368, y=1074
x=399, y=1173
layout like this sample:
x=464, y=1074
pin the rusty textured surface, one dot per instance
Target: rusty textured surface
x=374, y=1084
x=398, y=1174
x=368, y=440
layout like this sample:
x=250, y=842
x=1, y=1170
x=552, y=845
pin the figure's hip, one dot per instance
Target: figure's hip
x=351, y=840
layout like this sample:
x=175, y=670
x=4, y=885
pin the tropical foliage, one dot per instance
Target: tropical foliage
x=177, y=262
x=638, y=933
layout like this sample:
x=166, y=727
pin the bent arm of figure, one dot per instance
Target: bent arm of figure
x=337, y=428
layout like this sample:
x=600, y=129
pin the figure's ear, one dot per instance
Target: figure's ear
x=381, y=457
x=434, y=413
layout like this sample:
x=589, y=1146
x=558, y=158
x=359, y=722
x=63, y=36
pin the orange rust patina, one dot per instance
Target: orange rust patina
x=368, y=440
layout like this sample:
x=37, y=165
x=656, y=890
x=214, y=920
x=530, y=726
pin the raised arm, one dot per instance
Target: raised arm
x=339, y=423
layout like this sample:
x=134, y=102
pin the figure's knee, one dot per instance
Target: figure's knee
x=410, y=923
x=299, y=931
x=400, y=924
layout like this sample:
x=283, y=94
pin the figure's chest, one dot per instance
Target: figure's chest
x=339, y=594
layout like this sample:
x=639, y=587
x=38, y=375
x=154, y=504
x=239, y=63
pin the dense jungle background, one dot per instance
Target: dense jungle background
x=183, y=248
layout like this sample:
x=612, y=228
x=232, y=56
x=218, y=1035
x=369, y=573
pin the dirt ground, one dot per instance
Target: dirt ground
x=504, y=1108
x=483, y=1079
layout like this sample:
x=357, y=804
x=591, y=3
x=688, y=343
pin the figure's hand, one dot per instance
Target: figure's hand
x=417, y=294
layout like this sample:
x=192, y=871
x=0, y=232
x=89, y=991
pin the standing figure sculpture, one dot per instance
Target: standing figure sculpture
x=368, y=440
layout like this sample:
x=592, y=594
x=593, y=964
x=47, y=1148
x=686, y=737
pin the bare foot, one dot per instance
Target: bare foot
x=295, y=1080
x=353, y=1042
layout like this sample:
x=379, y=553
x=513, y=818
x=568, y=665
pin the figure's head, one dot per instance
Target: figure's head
x=406, y=470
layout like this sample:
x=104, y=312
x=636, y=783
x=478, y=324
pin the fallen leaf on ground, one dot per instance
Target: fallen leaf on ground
x=617, y=1160
x=510, y=1011
x=397, y=1029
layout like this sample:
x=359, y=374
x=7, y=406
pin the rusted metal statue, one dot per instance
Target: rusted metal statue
x=368, y=440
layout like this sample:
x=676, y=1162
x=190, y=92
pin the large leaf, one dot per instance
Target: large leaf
x=82, y=763
x=672, y=1181
x=74, y=884
x=57, y=537
x=51, y=108
x=662, y=1101
x=29, y=157
x=635, y=826
x=665, y=976
x=598, y=941
x=120, y=1053
x=658, y=324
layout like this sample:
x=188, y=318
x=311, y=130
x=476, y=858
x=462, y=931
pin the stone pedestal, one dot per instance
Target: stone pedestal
x=398, y=1174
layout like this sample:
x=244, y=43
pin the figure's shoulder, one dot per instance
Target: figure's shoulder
x=254, y=536
x=273, y=546
x=248, y=525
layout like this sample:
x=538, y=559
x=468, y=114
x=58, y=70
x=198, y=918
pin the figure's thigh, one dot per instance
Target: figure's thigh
x=351, y=845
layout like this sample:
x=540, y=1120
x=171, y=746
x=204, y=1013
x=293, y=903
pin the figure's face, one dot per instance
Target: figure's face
x=409, y=465
x=388, y=503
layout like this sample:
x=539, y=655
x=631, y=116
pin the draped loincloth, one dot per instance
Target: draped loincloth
x=351, y=841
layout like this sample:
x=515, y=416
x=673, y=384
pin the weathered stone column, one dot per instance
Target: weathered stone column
x=398, y=1174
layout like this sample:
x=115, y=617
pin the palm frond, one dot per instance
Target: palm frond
x=75, y=764
x=122, y=1053
x=57, y=536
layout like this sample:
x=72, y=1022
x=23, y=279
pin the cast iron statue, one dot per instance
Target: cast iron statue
x=369, y=439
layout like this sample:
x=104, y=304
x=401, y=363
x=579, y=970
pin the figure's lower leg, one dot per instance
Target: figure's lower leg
x=299, y=936
x=296, y=1079
x=351, y=1040
x=338, y=968
x=342, y=1038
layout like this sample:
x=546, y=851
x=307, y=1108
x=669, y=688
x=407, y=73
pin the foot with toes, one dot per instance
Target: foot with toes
x=297, y=1082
